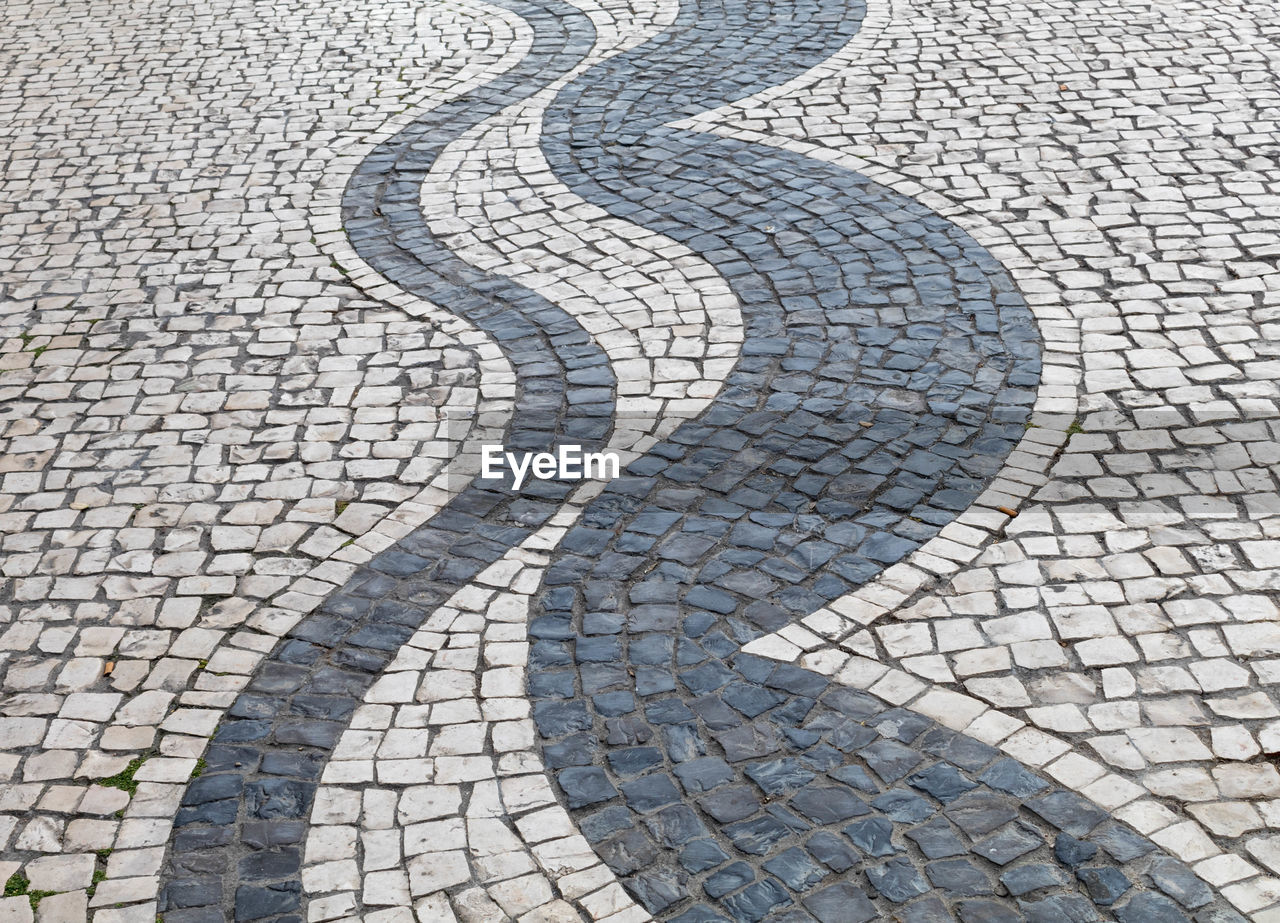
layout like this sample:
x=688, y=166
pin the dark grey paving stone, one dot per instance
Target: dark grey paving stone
x=699, y=914
x=873, y=836
x=703, y=774
x=731, y=803
x=701, y=855
x=841, y=903
x=254, y=902
x=1121, y=843
x=756, y=901
x=1105, y=885
x=795, y=869
x=1007, y=775
x=650, y=793
x=675, y=825
x=981, y=812
x=890, y=760
x=1068, y=812
x=585, y=785
x=1008, y=843
x=958, y=878
x=1149, y=907
x=987, y=911
x=898, y=880
x=628, y=852
x=655, y=890
x=729, y=879
x=1072, y=852
x=777, y=777
x=828, y=849
x=757, y=836
x=937, y=840
x=903, y=806
x=1177, y=880
x=1060, y=908
x=943, y=782
x=1024, y=879
x=828, y=804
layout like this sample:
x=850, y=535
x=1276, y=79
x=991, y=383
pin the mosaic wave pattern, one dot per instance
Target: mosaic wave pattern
x=887, y=370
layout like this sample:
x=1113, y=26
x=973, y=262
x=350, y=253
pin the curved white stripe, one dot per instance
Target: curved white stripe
x=668, y=322
x=463, y=815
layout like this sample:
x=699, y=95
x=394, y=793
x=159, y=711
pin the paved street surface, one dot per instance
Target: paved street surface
x=939, y=342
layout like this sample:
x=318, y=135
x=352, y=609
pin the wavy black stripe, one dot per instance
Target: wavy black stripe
x=236, y=848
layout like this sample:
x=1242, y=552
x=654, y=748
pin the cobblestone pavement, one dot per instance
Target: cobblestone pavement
x=938, y=338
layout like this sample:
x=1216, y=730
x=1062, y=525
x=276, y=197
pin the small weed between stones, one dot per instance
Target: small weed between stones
x=19, y=885
x=99, y=875
x=124, y=779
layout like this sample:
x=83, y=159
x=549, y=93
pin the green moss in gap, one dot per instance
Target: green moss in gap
x=124, y=779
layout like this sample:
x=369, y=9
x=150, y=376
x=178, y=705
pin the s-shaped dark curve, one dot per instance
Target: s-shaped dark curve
x=235, y=853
